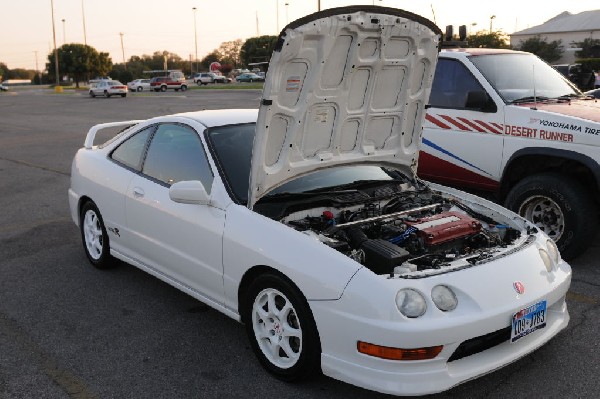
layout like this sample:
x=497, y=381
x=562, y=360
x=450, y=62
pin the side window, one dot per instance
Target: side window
x=451, y=83
x=130, y=152
x=176, y=154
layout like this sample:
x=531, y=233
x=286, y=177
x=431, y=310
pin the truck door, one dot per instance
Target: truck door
x=463, y=130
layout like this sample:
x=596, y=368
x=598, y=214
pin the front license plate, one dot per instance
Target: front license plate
x=527, y=320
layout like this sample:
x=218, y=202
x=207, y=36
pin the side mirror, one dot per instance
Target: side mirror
x=189, y=192
x=479, y=100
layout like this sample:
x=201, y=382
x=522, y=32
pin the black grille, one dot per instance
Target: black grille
x=479, y=344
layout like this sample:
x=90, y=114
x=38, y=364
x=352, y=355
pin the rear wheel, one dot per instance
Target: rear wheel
x=281, y=329
x=560, y=207
x=92, y=94
x=94, y=237
x=123, y=95
x=140, y=88
x=183, y=87
x=163, y=88
x=106, y=94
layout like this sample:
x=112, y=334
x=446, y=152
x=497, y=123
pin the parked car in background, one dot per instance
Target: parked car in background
x=249, y=77
x=597, y=83
x=108, y=88
x=583, y=77
x=3, y=88
x=305, y=221
x=205, y=78
x=139, y=85
x=163, y=83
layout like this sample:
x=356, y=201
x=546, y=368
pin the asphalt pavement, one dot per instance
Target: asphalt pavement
x=68, y=330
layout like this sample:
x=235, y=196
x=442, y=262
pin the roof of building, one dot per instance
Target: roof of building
x=566, y=22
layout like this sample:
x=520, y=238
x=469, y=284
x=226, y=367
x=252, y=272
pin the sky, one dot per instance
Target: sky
x=156, y=25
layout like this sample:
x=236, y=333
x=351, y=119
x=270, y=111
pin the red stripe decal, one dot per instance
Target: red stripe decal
x=436, y=122
x=438, y=170
x=473, y=125
x=455, y=123
x=499, y=126
x=490, y=128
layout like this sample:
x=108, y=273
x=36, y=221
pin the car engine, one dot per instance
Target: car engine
x=400, y=229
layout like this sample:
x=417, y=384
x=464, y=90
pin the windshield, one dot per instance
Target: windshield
x=512, y=77
x=232, y=147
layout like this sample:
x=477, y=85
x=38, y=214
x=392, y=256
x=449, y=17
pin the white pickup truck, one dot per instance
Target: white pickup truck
x=506, y=122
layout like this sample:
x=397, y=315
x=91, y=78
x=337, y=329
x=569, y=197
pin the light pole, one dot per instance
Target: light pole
x=83, y=18
x=64, y=35
x=491, y=19
x=473, y=25
x=286, y=13
x=57, y=87
x=123, y=49
x=195, y=38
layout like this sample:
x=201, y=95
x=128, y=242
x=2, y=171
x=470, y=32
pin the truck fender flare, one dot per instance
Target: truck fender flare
x=585, y=160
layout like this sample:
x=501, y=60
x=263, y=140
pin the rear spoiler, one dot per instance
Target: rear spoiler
x=89, y=139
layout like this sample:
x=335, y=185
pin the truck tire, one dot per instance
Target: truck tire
x=559, y=206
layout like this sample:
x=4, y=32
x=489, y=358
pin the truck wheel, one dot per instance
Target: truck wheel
x=560, y=207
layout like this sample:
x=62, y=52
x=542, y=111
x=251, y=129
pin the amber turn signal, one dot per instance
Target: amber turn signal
x=385, y=352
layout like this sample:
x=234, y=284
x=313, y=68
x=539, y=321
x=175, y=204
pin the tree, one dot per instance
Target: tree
x=539, y=46
x=484, y=39
x=257, y=49
x=211, y=57
x=79, y=62
x=590, y=48
x=230, y=52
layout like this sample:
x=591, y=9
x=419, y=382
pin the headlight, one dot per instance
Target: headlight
x=444, y=298
x=546, y=258
x=411, y=303
x=553, y=251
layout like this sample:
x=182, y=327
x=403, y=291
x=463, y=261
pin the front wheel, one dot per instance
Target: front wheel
x=94, y=237
x=106, y=94
x=281, y=329
x=183, y=87
x=163, y=88
x=559, y=206
x=140, y=88
x=92, y=94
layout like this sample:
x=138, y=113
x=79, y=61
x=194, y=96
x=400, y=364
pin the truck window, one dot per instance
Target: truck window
x=451, y=83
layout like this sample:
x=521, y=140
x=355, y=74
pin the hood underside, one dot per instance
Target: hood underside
x=345, y=86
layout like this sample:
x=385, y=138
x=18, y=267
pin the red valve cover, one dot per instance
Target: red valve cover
x=444, y=227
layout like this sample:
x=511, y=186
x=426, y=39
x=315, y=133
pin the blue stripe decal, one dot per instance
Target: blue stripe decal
x=440, y=149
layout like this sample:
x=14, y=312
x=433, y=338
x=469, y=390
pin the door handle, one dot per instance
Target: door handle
x=138, y=192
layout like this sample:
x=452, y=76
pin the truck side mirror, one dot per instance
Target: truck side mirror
x=480, y=101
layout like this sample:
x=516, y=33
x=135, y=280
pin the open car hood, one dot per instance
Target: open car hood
x=345, y=86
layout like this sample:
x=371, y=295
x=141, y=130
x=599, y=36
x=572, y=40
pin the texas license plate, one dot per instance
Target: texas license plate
x=527, y=320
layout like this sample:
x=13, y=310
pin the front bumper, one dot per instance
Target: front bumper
x=342, y=323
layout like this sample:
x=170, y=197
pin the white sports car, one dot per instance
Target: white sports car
x=304, y=220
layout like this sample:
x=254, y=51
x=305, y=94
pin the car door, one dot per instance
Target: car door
x=180, y=241
x=462, y=144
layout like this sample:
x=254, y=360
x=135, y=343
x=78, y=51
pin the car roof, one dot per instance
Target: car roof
x=212, y=118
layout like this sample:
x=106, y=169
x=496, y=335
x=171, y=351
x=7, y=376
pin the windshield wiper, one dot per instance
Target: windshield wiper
x=529, y=99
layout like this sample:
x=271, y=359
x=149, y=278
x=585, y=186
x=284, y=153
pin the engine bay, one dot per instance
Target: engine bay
x=401, y=229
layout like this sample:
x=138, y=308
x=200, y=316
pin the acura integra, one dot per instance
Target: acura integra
x=304, y=219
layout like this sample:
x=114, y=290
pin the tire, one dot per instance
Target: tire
x=299, y=354
x=559, y=206
x=251, y=80
x=163, y=88
x=92, y=94
x=96, y=243
x=183, y=87
x=176, y=89
x=199, y=83
x=106, y=94
x=123, y=95
x=140, y=88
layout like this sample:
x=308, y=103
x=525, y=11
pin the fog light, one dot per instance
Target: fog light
x=444, y=298
x=385, y=352
x=546, y=258
x=411, y=303
x=553, y=251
